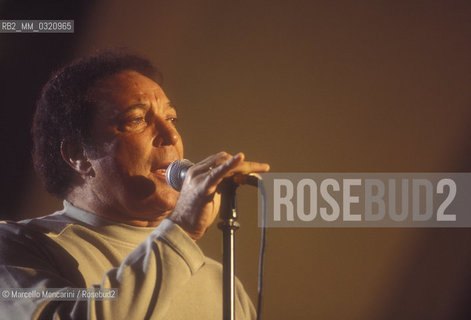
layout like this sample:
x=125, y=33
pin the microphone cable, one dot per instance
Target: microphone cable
x=261, y=260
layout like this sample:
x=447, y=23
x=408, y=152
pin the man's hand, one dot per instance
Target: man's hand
x=199, y=200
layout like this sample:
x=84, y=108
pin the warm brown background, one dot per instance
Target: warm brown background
x=308, y=86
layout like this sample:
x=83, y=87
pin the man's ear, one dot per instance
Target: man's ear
x=75, y=156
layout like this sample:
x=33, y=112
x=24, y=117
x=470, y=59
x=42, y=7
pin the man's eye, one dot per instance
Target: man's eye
x=132, y=124
x=137, y=120
x=172, y=120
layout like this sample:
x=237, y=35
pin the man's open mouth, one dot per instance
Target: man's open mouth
x=160, y=171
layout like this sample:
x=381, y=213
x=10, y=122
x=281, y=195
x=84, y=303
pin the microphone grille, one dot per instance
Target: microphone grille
x=176, y=172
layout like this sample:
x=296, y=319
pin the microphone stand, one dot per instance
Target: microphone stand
x=228, y=225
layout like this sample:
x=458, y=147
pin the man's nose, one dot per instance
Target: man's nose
x=165, y=133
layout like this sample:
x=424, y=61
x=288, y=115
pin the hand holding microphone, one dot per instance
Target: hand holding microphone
x=199, y=199
x=176, y=173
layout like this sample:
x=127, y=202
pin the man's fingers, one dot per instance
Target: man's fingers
x=215, y=168
x=221, y=171
x=233, y=166
x=210, y=162
x=247, y=167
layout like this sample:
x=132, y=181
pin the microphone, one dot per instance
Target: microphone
x=176, y=173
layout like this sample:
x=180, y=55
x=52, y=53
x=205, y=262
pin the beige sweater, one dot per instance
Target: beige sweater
x=160, y=272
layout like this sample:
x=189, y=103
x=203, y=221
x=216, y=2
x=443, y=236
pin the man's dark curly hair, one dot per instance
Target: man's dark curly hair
x=65, y=111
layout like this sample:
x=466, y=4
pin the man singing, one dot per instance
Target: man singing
x=104, y=133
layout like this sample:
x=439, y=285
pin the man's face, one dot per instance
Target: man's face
x=135, y=135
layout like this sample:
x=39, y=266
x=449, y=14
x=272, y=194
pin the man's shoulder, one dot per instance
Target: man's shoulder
x=20, y=243
x=54, y=223
x=30, y=233
x=10, y=230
